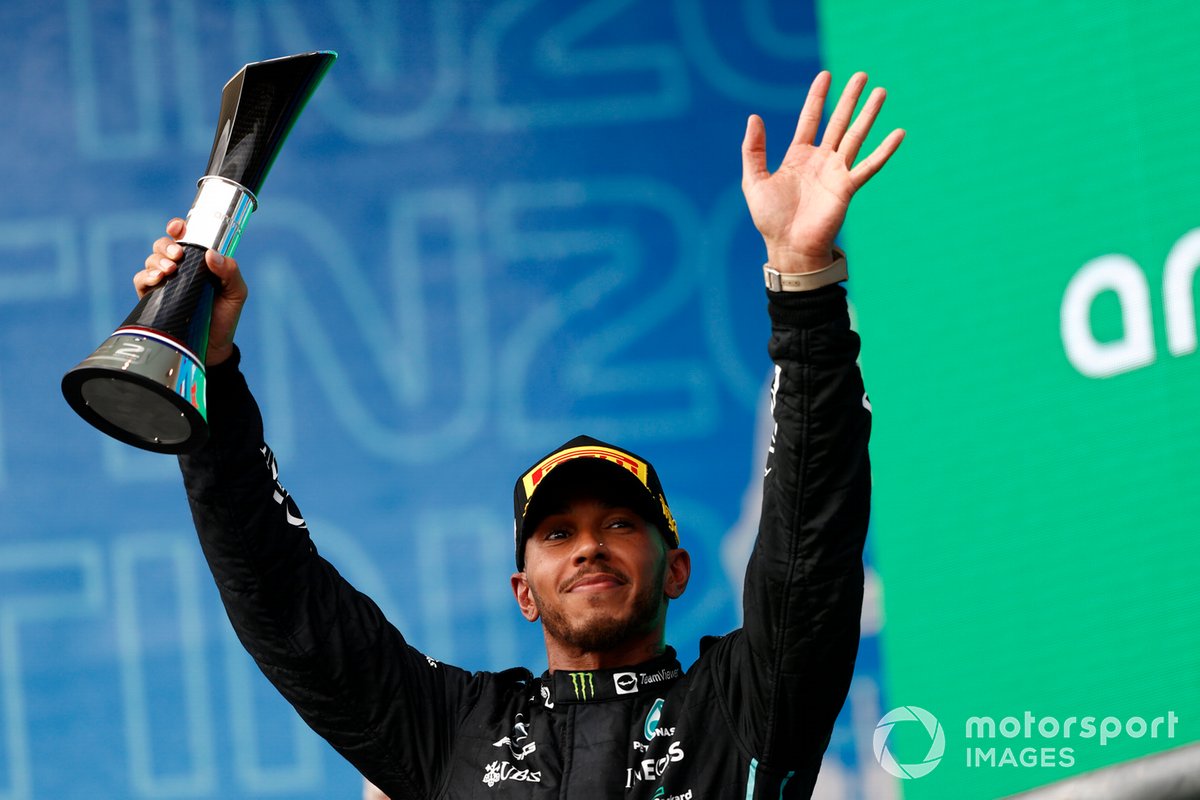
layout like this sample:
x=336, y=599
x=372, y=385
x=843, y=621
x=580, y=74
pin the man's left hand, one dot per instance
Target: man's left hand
x=799, y=208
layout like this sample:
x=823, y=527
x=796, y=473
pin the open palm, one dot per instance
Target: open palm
x=799, y=208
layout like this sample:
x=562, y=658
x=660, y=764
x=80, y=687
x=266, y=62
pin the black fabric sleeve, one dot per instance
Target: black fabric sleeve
x=789, y=668
x=327, y=648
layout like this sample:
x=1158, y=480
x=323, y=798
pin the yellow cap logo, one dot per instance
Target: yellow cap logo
x=535, y=476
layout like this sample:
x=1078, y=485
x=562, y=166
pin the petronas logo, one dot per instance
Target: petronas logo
x=584, y=685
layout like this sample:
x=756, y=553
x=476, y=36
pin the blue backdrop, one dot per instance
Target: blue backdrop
x=497, y=225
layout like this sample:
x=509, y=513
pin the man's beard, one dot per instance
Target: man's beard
x=607, y=632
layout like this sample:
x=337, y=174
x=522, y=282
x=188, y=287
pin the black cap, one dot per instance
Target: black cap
x=585, y=458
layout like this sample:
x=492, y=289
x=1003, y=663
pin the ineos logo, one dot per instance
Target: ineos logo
x=650, y=769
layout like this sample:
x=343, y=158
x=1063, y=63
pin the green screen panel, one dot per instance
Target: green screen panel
x=1023, y=276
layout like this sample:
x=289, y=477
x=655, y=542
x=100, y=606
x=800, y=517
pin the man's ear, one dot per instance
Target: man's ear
x=524, y=595
x=679, y=572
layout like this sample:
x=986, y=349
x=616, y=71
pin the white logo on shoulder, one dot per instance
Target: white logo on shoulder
x=518, y=742
x=503, y=771
x=281, y=496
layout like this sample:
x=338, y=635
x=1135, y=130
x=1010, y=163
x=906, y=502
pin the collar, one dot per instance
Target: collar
x=596, y=685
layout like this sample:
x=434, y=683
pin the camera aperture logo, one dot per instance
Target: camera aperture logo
x=909, y=715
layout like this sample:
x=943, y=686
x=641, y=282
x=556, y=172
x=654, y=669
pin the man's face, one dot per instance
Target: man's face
x=598, y=575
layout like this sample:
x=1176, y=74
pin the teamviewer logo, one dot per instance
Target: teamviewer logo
x=903, y=716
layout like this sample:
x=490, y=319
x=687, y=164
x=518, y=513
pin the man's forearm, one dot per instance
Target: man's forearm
x=803, y=591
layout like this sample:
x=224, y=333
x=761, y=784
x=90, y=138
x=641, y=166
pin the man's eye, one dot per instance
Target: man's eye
x=555, y=534
x=620, y=523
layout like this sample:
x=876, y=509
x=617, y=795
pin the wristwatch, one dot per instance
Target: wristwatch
x=804, y=282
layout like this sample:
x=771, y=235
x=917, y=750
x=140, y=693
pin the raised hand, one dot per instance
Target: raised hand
x=227, y=305
x=799, y=208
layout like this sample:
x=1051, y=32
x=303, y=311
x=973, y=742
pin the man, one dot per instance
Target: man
x=598, y=561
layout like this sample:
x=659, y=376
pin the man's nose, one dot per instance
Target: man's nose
x=589, y=546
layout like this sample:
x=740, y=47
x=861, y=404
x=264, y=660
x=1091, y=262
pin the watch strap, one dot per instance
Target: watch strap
x=807, y=281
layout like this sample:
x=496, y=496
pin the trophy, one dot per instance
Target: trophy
x=145, y=385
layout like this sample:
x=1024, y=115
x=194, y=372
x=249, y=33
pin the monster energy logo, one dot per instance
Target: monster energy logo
x=584, y=686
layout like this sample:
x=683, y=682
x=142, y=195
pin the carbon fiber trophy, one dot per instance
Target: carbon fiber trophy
x=145, y=385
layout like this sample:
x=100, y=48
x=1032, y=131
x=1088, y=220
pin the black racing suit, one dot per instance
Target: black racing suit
x=750, y=719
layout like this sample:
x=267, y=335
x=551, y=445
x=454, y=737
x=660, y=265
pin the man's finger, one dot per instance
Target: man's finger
x=754, y=152
x=874, y=162
x=161, y=244
x=810, y=116
x=146, y=280
x=158, y=261
x=840, y=118
x=219, y=265
x=853, y=140
x=176, y=227
x=233, y=286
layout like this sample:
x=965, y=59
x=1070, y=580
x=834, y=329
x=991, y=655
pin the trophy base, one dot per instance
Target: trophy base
x=143, y=389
